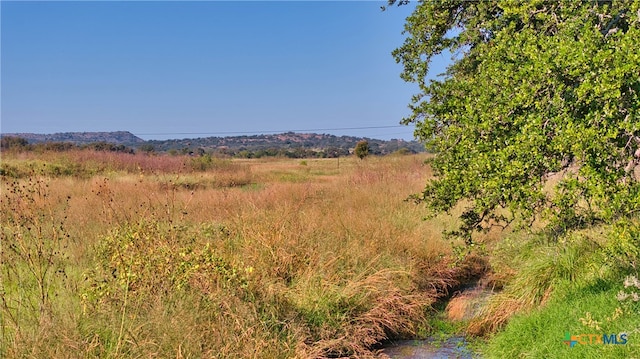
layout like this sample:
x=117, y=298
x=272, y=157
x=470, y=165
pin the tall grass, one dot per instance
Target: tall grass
x=33, y=257
x=86, y=163
x=572, y=286
x=593, y=310
x=255, y=258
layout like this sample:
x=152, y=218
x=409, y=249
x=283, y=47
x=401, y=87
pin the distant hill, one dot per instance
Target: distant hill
x=119, y=137
x=285, y=144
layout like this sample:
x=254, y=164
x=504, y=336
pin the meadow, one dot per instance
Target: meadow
x=119, y=255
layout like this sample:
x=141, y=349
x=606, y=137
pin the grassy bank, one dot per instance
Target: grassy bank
x=120, y=255
x=572, y=298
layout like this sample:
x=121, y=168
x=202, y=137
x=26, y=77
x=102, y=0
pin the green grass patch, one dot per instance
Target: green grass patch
x=587, y=313
x=583, y=285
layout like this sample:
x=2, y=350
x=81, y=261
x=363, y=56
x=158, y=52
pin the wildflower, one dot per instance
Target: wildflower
x=616, y=314
x=588, y=321
x=622, y=296
x=631, y=281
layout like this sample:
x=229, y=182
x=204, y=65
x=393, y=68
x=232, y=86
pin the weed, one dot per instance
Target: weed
x=33, y=244
x=630, y=292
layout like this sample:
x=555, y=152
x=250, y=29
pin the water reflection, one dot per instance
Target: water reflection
x=455, y=347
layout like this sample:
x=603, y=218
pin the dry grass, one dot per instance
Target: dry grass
x=88, y=163
x=260, y=258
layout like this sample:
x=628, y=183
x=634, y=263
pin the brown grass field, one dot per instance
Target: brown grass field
x=119, y=256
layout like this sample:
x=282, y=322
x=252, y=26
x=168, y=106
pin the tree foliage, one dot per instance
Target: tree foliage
x=13, y=142
x=538, y=113
x=362, y=149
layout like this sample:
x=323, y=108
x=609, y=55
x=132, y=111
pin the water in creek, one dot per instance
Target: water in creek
x=464, y=305
x=454, y=347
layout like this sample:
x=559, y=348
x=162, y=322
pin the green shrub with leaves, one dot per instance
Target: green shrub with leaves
x=362, y=149
x=152, y=273
x=13, y=143
x=622, y=249
x=153, y=258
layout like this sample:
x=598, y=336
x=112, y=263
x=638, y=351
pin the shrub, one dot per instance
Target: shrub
x=362, y=149
x=13, y=143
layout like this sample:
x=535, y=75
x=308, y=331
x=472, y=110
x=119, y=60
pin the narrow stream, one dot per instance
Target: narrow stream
x=464, y=305
x=454, y=347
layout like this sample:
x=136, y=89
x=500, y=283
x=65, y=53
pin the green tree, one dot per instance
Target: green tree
x=362, y=149
x=13, y=142
x=540, y=95
x=147, y=148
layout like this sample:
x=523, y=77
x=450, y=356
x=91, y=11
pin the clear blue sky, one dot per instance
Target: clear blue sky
x=197, y=69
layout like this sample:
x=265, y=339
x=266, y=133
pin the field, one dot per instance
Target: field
x=118, y=255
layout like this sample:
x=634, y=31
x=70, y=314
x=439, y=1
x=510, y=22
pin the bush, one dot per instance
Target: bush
x=362, y=149
x=13, y=143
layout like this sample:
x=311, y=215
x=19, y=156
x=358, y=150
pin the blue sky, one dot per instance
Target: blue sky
x=208, y=68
